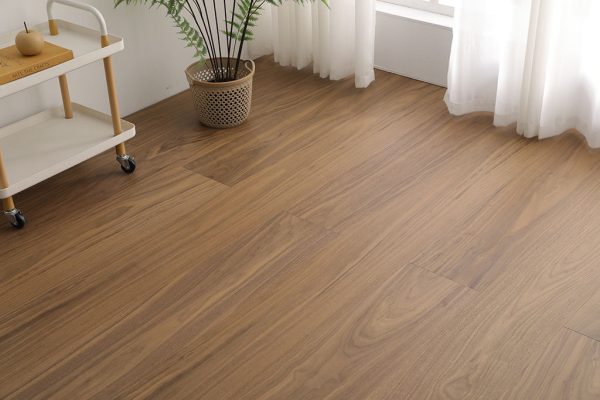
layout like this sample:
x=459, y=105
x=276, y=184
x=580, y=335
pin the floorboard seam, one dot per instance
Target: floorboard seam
x=308, y=221
x=580, y=333
x=444, y=277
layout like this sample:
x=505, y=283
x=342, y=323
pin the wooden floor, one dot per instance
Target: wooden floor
x=342, y=244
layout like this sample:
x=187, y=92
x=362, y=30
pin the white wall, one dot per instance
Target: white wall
x=150, y=69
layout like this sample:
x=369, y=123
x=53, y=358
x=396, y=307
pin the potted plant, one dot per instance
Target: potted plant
x=221, y=82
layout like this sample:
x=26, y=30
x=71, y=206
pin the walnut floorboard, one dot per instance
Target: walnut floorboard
x=342, y=244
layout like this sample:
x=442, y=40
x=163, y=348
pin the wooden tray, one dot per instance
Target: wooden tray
x=13, y=65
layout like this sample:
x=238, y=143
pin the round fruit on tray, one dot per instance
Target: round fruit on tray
x=29, y=43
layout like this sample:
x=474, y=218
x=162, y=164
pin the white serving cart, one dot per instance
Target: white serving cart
x=43, y=145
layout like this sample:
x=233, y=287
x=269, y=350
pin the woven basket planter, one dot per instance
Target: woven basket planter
x=221, y=104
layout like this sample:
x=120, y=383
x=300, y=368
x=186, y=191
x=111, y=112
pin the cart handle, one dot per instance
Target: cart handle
x=81, y=6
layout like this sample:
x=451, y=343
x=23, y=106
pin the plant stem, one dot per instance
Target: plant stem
x=239, y=55
x=251, y=13
x=208, y=39
x=228, y=38
x=212, y=40
x=218, y=38
x=190, y=10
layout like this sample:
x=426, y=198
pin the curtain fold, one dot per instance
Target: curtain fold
x=338, y=40
x=535, y=63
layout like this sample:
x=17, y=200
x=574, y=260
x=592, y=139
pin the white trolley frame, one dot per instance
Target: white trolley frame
x=41, y=146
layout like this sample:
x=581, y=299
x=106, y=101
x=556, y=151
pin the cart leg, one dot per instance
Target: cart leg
x=66, y=97
x=64, y=86
x=127, y=162
x=53, y=27
x=112, y=98
x=15, y=217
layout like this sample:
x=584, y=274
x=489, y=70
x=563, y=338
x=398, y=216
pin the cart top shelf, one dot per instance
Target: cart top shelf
x=84, y=42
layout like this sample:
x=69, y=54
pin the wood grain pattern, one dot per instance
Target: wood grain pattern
x=341, y=244
x=567, y=370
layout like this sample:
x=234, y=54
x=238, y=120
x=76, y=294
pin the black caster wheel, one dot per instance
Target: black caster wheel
x=20, y=221
x=16, y=218
x=127, y=163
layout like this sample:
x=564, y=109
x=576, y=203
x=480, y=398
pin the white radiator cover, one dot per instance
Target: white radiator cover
x=413, y=43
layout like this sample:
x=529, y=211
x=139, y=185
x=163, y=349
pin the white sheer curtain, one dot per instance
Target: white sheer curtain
x=338, y=40
x=533, y=62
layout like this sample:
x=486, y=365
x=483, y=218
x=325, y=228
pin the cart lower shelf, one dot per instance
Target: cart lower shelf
x=46, y=144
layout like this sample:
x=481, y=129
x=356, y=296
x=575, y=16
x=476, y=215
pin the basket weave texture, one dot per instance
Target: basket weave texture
x=221, y=104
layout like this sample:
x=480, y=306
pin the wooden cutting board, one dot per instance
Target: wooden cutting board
x=14, y=65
